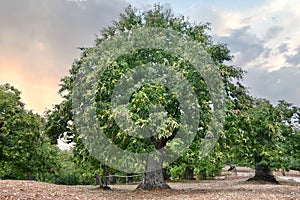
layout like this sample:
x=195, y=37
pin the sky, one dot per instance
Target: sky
x=39, y=41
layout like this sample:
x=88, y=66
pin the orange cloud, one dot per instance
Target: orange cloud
x=39, y=90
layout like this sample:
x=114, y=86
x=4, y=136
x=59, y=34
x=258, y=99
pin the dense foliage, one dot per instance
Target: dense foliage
x=255, y=133
x=144, y=99
x=25, y=149
x=262, y=137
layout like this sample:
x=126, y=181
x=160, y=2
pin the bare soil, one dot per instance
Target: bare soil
x=228, y=186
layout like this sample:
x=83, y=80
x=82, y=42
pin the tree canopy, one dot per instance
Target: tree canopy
x=147, y=97
x=25, y=151
x=254, y=132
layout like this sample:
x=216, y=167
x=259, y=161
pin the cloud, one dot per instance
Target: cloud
x=273, y=32
x=254, y=32
x=265, y=42
x=276, y=85
x=54, y=27
x=39, y=40
x=267, y=52
x=220, y=19
x=295, y=58
x=244, y=44
x=283, y=48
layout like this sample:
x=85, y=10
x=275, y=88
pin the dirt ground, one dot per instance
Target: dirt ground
x=228, y=186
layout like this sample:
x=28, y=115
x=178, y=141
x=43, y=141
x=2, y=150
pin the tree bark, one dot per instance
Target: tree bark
x=263, y=173
x=99, y=182
x=189, y=174
x=30, y=176
x=130, y=177
x=166, y=174
x=112, y=179
x=153, y=178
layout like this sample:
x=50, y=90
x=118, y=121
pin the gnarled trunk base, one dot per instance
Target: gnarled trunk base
x=152, y=180
x=263, y=173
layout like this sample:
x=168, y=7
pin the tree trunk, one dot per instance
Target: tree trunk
x=99, y=182
x=233, y=169
x=166, y=174
x=263, y=173
x=30, y=176
x=189, y=174
x=112, y=179
x=153, y=178
x=130, y=178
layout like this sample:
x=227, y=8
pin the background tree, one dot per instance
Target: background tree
x=292, y=146
x=290, y=131
x=25, y=151
x=256, y=138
